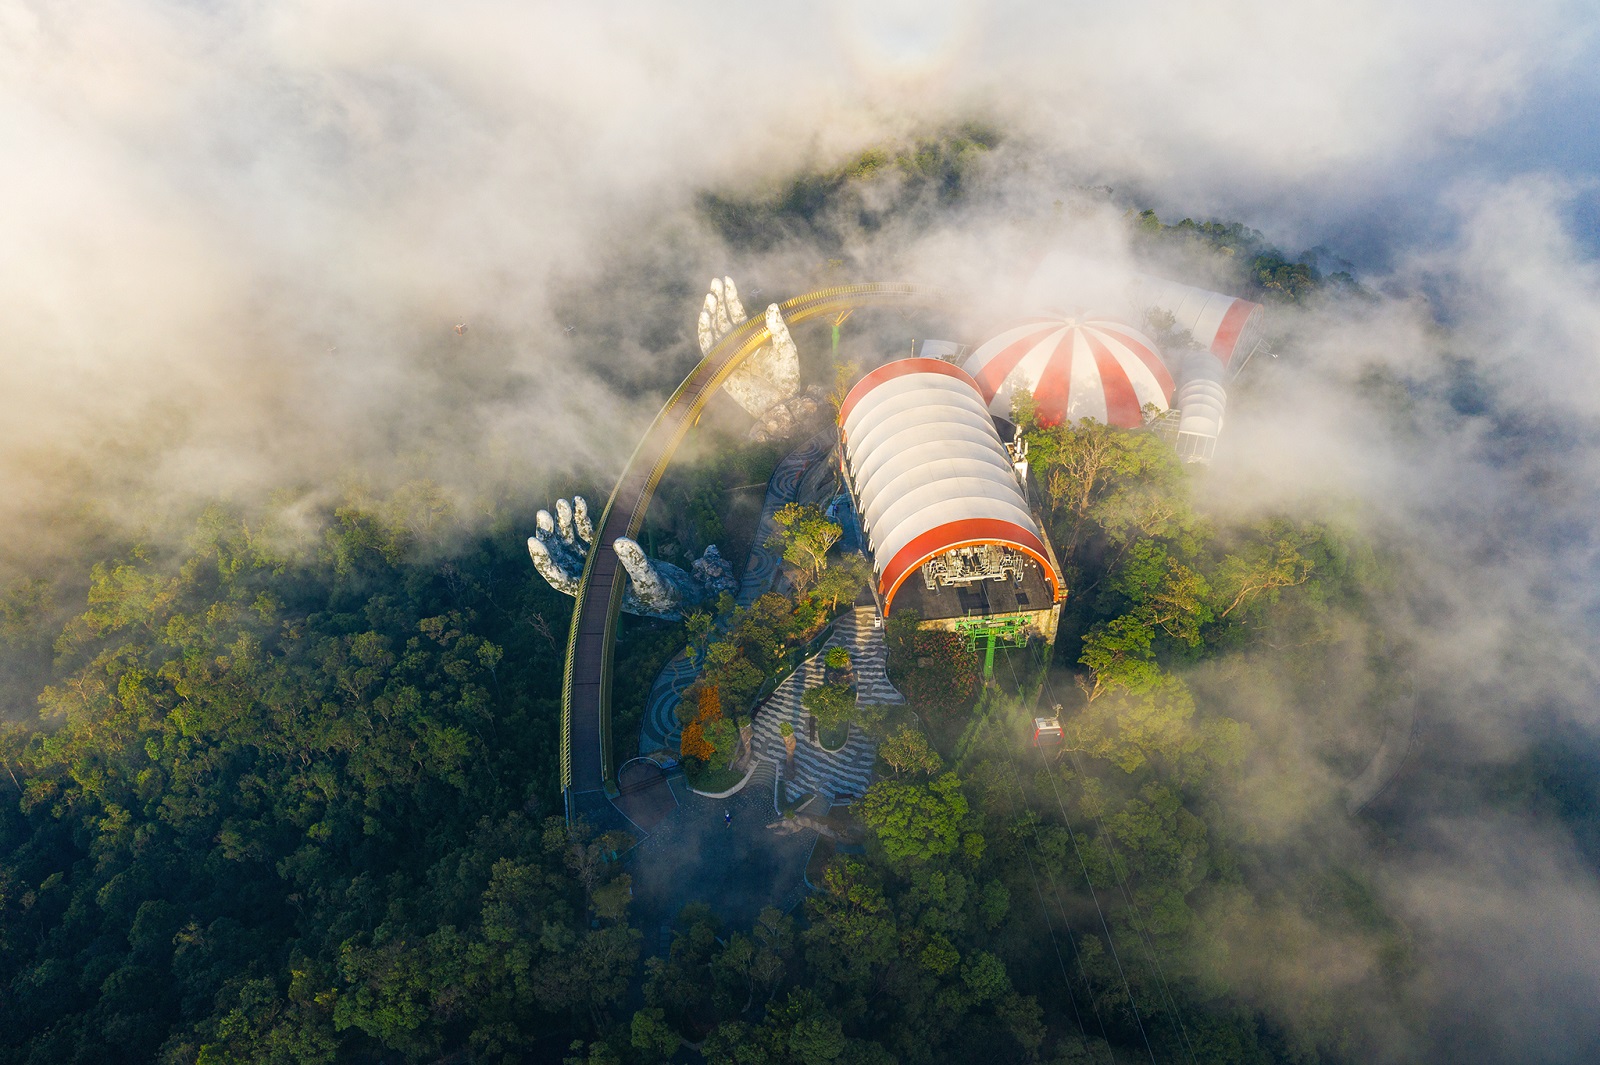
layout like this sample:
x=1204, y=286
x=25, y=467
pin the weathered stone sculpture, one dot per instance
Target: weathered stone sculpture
x=561, y=544
x=771, y=374
x=660, y=589
x=778, y=422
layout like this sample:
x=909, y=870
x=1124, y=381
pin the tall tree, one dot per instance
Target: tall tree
x=805, y=536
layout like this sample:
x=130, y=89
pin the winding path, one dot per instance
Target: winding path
x=838, y=776
x=586, y=768
x=660, y=728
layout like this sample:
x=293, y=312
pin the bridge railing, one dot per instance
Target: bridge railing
x=726, y=356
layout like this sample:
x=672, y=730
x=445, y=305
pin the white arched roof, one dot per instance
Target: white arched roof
x=911, y=444
x=1224, y=325
x=929, y=471
x=903, y=427
x=906, y=471
x=897, y=394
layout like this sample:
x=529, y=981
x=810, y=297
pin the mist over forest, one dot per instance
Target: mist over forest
x=311, y=308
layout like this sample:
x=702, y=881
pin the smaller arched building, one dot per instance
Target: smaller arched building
x=942, y=505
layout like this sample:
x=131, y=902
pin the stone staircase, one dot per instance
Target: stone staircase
x=761, y=782
x=870, y=656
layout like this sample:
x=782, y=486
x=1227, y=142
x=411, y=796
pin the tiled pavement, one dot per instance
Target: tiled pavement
x=660, y=728
x=840, y=776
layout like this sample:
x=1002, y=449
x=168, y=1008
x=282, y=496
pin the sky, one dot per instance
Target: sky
x=238, y=239
x=241, y=234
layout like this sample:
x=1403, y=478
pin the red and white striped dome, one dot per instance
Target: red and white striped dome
x=1091, y=367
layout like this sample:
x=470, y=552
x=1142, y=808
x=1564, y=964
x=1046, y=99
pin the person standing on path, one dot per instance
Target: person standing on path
x=727, y=818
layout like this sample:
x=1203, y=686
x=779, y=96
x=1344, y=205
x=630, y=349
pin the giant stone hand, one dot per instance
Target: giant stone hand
x=662, y=590
x=772, y=373
x=561, y=545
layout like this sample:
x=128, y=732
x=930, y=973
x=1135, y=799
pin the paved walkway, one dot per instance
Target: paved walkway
x=660, y=729
x=692, y=856
x=840, y=776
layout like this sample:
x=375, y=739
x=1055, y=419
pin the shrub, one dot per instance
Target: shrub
x=723, y=737
x=830, y=704
x=936, y=671
x=693, y=744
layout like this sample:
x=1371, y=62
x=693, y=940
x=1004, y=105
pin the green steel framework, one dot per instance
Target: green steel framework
x=1006, y=630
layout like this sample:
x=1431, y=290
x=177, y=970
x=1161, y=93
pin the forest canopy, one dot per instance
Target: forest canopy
x=286, y=787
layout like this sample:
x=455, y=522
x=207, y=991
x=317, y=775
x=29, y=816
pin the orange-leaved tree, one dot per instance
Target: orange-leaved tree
x=710, y=705
x=694, y=745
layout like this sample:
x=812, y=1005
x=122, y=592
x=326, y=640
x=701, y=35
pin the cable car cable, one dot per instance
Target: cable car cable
x=1105, y=926
x=1145, y=941
x=1066, y=925
x=1093, y=895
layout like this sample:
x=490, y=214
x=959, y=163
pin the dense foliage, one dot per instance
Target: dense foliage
x=284, y=804
x=832, y=209
x=288, y=799
x=936, y=670
x=1243, y=261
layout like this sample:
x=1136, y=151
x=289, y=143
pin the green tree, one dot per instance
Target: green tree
x=1165, y=593
x=831, y=704
x=1102, y=481
x=916, y=822
x=650, y=1033
x=678, y=984
x=805, y=536
x=842, y=580
x=698, y=625
x=907, y=751
x=1118, y=655
x=1264, y=568
x=751, y=967
x=723, y=735
x=1130, y=726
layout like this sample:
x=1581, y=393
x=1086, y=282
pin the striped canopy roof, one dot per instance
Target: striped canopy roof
x=1223, y=325
x=930, y=473
x=1088, y=367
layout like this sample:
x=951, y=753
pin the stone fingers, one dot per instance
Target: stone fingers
x=560, y=579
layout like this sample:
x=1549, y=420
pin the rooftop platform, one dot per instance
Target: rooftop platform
x=982, y=597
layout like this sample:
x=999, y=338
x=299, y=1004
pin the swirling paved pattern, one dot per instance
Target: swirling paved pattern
x=843, y=775
x=660, y=729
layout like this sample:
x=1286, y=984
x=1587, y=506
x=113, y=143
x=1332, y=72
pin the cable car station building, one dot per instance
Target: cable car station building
x=941, y=495
x=943, y=506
